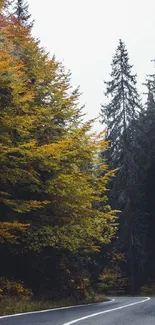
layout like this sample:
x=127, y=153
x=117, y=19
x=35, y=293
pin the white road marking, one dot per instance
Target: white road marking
x=54, y=309
x=106, y=311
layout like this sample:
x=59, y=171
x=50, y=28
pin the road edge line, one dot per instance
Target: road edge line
x=54, y=309
x=106, y=311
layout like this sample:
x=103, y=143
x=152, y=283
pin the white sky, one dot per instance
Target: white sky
x=84, y=34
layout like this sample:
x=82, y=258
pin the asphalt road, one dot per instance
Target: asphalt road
x=120, y=311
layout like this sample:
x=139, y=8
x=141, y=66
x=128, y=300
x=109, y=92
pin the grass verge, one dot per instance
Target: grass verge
x=12, y=305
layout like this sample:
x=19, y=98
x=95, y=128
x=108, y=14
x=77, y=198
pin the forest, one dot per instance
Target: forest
x=77, y=206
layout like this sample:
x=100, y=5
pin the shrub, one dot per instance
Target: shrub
x=148, y=289
x=13, y=288
x=111, y=281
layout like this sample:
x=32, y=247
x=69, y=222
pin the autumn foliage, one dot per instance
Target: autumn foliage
x=53, y=190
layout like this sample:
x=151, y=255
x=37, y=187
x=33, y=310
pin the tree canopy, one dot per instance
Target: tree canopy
x=51, y=183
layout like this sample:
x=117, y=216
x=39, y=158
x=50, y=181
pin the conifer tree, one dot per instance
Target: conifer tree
x=122, y=108
x=146, y=163
x=121, y=116
x=22, y=13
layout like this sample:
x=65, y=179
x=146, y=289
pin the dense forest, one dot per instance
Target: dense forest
x=77, y=206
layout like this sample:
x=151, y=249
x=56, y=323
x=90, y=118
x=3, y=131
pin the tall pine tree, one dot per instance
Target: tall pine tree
x=22, y=13
x=121, y=112
x=121, y=116
x=146, y=163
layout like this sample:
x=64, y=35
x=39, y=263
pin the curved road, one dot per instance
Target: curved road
x=119, y=311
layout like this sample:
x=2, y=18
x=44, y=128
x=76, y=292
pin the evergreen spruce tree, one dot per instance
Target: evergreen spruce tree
x=121, y=116
x=147, y=166
x=148, y=121
x=123, y=107
x=22, y=13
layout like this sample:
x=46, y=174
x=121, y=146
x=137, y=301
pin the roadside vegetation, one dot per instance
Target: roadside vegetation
x=76, y=206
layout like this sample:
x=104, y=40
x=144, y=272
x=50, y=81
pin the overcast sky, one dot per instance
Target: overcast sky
x=84, y=34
